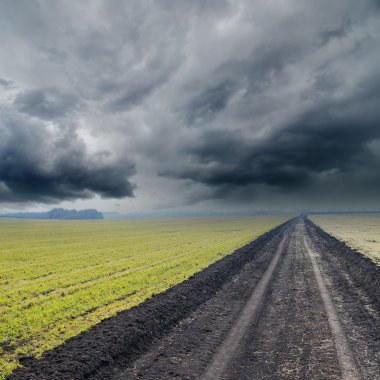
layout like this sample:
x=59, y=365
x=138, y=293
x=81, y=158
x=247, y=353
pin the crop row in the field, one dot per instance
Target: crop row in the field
x=57, y=279
x=359, y=231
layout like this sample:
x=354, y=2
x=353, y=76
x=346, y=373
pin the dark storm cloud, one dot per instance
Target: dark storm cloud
x=220, y=99
x=332, y=139
x=332, y=120
x=39, y=165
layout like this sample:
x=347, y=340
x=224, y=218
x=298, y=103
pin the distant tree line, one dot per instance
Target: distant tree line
x=58, y=213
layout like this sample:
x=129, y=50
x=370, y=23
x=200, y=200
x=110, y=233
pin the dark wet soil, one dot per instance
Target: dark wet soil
x=284, y=324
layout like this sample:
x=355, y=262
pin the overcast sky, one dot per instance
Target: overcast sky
x=201, y=105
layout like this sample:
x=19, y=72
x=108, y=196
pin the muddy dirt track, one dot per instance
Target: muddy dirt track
x=294, y=304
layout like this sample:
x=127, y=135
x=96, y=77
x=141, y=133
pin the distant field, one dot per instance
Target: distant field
x=361, y=232
x=58, y=278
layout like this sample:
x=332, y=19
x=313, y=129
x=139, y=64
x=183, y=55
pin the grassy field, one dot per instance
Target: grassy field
x=58, y=278
x=359, y=231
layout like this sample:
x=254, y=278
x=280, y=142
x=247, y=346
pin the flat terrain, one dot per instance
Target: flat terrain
x=361, y=232
x=58, y=278
x=294, y=304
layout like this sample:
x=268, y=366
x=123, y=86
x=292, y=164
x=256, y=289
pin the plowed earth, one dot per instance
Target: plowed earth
x=294, y=304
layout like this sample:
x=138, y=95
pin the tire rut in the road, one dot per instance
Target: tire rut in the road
x=354, y=286
x=291, y=339
x=343, y=349
x=230, y=345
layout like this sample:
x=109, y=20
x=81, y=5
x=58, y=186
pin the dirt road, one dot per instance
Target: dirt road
x=301, y=306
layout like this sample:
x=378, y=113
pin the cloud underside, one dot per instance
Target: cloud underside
x=329, y=141
x=232, y=100
x=39, y=164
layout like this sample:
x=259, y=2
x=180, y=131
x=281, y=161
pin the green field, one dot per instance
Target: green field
x=359, y=231
x=58, y=278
